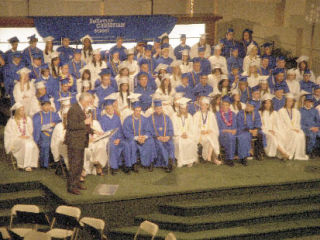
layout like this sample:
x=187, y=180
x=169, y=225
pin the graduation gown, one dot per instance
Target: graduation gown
x=248, y=60
x=26, y=97
x=102, y=92
x=28, y=53
x=273, y=141
x=58, y=148
x=244, y=95
x=310, y=118
x=187, y=90
x=272, y=61
x=167, y=100
x=194, y=51
x=152, y=63
x=185, y=148
x=200, y=90
x=186, y=67
x=145, y=98
x=63, y=94
x=115, y=151
x=294, y=88
x=194, y=79
x=161, y=125
x=25, y=151
x=66, y=54
x=208, y=141
x=278, y=103
x=295, y=141
x=121, y=50
x=96, y=151
x=227, y=140
x=166, y=61
x=178, y=51
x=132, y=128
x=220, y=61
x=205, y=66
x=95, y=70
x=232, y=61
x=114, y=67
x=74, y=68
x=124, y=107
x=10, y=75
x=307, y=86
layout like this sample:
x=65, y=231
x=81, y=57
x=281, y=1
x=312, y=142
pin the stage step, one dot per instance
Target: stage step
x=19, y=186
x=37, y=196
x=233, y=219
x=276, y=230
x=230, y=203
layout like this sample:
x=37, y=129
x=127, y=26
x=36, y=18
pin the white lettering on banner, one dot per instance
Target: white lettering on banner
x=104, y=25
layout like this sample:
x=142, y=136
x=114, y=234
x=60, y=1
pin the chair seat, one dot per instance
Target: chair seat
x=21, y=231
x=4, y=233
x=93, y=222
x=60, y=233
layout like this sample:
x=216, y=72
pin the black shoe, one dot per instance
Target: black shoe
x=170, y=164
x=135, y=168
x=244, y=162
x=126, y=170
x=230, y=163
x=113, y=171
x=151, y=167
x=168, y=170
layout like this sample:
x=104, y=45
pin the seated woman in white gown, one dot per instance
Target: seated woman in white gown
x=207, y=131
x=184, y=140
x=122, y=100
x=275, y=142
x=18, y=139
x=290, y=129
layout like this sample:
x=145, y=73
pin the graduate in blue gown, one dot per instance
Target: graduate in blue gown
x=248, y=128
x=264, y=69
x=36, y=66
x=31, y=50
x=50, y=83
x=246, y=41
x=255, y=97
x=227, y=122
x=162, y=133
x=278, y=101
x=114, y=62
x=10, y=74
x=8, y=55
x=144, y=90
x=182, y=46
x=279, y=80
x=148, y=59
x=268, y=54
x=306, y=84
x=117, y=146
x=105, y=88
x=234, y=60
x=194, y=75
x=137, y=131
x=205, y=65
x=310, y=124
x=202, y=88
x=119, y=48
x=316, y=96
x=244, y=90
x=228, y=43
x=106, y=73
x=144, y=67
x=164, y=58
x=185, y=88
x=76, y=64
x=64, y=92
x=66, y=52
x=43, y=124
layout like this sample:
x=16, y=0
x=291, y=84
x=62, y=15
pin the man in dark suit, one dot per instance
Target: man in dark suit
x=77, y=139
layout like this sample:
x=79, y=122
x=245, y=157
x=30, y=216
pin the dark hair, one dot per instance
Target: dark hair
x=95, y=63
x=216, y=69
x=89, y=48
x=250, y=35
x=162, y=86
x=47, y=49
x=220, y=85
x=262, y=108
x=121, y=95
x=87, y=71
x=54, y=72
x=299, y=66
x=214, y=102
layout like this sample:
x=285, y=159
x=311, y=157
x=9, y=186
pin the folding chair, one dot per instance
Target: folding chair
x=27, y=215
x=95, y=226
x=4, y=233
x=170, y=236
x=34, y=235
x=66, y=219
x=12, y=160
x=148, y=227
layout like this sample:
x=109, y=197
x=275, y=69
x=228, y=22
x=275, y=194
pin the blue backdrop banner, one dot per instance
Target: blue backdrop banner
x=105, y=29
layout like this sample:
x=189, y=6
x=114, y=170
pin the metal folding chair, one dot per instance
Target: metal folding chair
x=148, y=227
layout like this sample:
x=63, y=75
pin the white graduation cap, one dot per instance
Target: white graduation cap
x=205, y=100
x=254, y=64
x=218, y=47
x=130, y=51
x=85, y=83
x=96, y=51
x=55, y=54
x=175, y=63
x=165, y=76
x=244, y=74
x=40, y=85
x=112, y=96
x=161, y=66
x=48, y=39
x=134, y=97
x=216, y=66
x=124, y=80
x=266, y=97
x=122, y=65
x=235, y=91
x=263, y=79
x=65, y=101
x=250, y=47
x=16, y=106
x=183, y=102
x=302, y=58
x=291, y=71
x=84, y=68
x=185, y=52
x=24, y=70
x=86, y=37
x=164, y=35
x=290, y=95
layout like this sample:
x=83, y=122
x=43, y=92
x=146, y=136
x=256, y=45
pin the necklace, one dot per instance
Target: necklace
x=165, y=125
x=22, y=131
x=223, y=116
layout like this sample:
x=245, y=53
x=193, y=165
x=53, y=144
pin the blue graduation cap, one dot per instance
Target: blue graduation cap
x=17, y=54
x=277, y=71
x=157, y=103
x=115, y=50
x=45, y=66
x=243, y=79
x=201, y=49
x=234, y=48
x=92, y=91
x=255, y=88
x=13, y=39
x=267, y=44
x=235, y=66
x=230, y=30
x=248, y=30
x=37, y=55
x=64, y=81
x=226, y=98
x=136, y=104
x=157, y=40
x=278, y=87
x=148, y=47
x=265, y=56
x=143, y=61
x=142, y=74
x=307, y=71
x=77, y=51
x=185, y=75
x=165, y=45
x=316, y=87
x=33, y=38
x=203, y=74
x=44, y=99
x=105, y=71
x=309, y=97
x=251, y=102
x=281, y=58
x=196, y=59
x=183, y=36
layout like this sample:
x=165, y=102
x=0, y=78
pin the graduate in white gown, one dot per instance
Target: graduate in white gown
x=24, y=92
x=207, y=132
x=269, y=119
x=219, y=60
x=96, y=65
x=293, y=83
x=184, y=140
x=289, y=124
x=18, y=139
x=122, y=100
x=58, y=148
x=251, y=58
